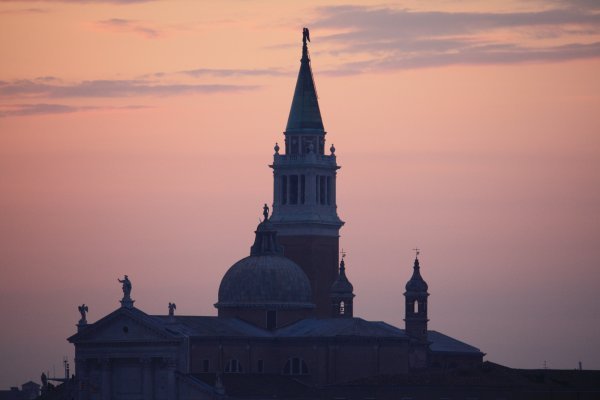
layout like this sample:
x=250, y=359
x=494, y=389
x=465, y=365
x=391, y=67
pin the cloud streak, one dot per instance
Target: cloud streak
x=80, y=1
x=129, y=26
x=401, y=39
x=20, y=110
x=109, y=88
x=227, y=73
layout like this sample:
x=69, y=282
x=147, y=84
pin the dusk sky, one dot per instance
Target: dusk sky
x=135, y=138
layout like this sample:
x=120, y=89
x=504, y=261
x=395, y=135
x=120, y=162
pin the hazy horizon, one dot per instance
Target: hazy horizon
x=135, y=138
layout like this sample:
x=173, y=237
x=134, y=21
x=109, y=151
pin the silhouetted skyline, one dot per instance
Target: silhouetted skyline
x=135, y=138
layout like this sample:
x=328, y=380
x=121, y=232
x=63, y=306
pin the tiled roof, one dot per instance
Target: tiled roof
x=211, y=326
x=332, y=327
x=446, y=344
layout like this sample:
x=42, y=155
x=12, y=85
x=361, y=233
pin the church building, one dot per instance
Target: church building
x=285, y=313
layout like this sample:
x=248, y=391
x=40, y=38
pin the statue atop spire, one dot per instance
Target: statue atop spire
x=305, y=35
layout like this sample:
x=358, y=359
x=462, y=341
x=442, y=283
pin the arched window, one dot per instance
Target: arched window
x=342, y=308
x=295, y=366
x=416, y=307
x=233, y=367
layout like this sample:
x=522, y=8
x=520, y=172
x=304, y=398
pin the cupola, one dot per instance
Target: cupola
x=265, y=288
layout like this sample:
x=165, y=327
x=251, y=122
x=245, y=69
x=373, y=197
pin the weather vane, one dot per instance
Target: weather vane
x=417, y=252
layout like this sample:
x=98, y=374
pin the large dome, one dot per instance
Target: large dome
x=266, y=280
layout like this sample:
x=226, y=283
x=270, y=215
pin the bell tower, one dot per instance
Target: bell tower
x=304, y=190
x=342, y=294
x=416, y=304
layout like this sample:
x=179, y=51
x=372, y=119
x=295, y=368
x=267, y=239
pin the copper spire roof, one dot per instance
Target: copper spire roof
x=305, y=113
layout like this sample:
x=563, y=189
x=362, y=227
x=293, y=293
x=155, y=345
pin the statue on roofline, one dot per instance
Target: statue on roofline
x=83, y=309
x=126, y=287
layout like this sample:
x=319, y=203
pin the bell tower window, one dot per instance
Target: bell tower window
x=293, y=189
x=302, y=188
x=284, y=189
x=322, y=189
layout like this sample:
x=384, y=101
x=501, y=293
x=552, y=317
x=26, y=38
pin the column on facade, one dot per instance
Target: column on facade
x=249, y=357
x=106, y=377
x=147, y=377
x=171, y=379
x=81, y=378
x=333, y=189
x=311, y=189
x=377, y=358
x=276, y=188
x=318, y=189
x=332, y=363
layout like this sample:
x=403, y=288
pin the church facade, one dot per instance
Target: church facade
x=285, y=316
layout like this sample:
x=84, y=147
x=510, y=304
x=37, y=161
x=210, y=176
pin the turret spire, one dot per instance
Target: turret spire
x=342, y=294
x=415, y=315
x=305, y=113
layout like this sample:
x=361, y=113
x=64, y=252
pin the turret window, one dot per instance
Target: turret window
x=295, y=366
x=342, y=308
x=329, y=195
x=416, y=307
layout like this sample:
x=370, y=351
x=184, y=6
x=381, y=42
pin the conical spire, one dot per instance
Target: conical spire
x=305, y=112
x=342, y=285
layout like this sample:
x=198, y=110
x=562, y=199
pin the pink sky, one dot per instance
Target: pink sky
x=135, y=138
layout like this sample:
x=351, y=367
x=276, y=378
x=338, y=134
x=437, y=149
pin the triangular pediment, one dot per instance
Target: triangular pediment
x=125, y=325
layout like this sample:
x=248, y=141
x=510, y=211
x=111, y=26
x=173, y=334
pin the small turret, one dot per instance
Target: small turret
x=416, y=304
x=342, y=296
